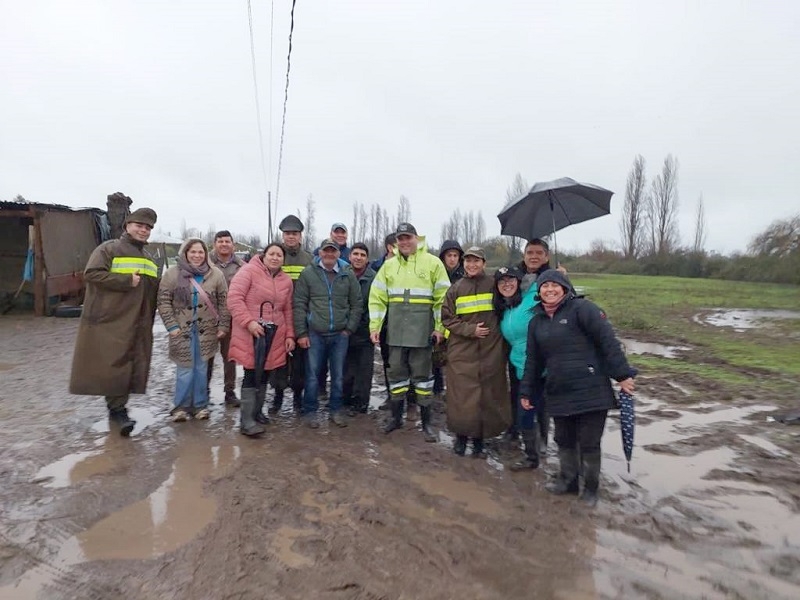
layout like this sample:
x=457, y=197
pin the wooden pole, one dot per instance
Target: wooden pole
x=39, y=274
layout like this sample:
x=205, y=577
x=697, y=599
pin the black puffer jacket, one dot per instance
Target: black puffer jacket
x=577, y=351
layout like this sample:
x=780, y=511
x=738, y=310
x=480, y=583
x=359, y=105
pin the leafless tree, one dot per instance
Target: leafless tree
x=354, y=231
x=362, y=217
x=189, y=232
x=403, y=210
x=385, y=227
x=310, y=237
x=781, y=239
x=451, y=229
x=662, y=209
x=378, y=227
x=468, y=228
x=212, y=231
x=514, y=192
x=480, y=228
x=253, y=241
x=700, y=231
x=634, y=209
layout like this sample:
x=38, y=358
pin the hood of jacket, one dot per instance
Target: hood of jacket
x=555, y=276
x=450, y=245
x=422, y=247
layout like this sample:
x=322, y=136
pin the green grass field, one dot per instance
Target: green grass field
x=663, y=309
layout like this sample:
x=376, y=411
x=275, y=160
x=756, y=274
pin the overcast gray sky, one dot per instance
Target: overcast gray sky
x=441, y=101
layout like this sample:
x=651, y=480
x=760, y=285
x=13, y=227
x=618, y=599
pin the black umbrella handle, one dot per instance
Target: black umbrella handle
x=261, y=309
x=553, y=216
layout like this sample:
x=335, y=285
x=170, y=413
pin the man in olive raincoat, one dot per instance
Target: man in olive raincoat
x=115, y=334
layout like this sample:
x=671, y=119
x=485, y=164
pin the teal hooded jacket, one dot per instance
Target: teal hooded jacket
x=514, y=327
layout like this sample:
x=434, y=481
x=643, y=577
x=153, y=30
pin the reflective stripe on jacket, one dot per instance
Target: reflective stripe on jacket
x=295, y=261
x=134, y=264
x=475, y=303
x=409, y=293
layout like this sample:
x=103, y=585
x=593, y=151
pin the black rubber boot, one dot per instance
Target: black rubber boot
x=591, y=478
x=530, y=444
x=231, y=399
x=460, y=445
x=395, y=420
x=277, y=402
x=247, y=424
x=121, y=418
x=567, y=480
x=544, y=432
x=427, y=433
x=477, y=448
x=258, y=408
x=297, y=400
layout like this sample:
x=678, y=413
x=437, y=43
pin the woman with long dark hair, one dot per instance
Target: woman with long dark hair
x=513, y=304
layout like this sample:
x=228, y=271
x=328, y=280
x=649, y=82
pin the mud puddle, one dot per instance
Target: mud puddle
x=194, y=510
x=742, y=319
x=169, y=517
x=636, y=347
x=700, y=515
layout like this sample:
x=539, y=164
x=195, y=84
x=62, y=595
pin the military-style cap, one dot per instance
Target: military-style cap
x=291, y=223
x=405, y=229
x=328, y=243
x=476, y=252
x=146, y=216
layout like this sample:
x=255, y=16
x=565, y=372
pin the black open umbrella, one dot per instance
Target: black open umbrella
x=553, y=205
x=263, y=343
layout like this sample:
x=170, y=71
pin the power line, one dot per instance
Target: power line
x=258, y=109
x=285, y=100
x=271, y=64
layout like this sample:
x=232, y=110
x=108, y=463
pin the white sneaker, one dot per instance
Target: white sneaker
x=179, y=416
x=201, y=414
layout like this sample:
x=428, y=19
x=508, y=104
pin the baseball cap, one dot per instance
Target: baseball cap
x=328, y=243
x=405, y=229
x=476, y=252
x=508, y=272
x=336, y=226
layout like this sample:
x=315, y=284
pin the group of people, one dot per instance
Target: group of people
x=515, y=348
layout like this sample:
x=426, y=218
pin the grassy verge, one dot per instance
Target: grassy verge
x=670, y=310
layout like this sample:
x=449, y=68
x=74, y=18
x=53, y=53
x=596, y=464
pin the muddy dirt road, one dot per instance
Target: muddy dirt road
x=711, y=508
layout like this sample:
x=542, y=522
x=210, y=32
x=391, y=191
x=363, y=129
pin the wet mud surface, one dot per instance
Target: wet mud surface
x=742, y=319
x=710, y=509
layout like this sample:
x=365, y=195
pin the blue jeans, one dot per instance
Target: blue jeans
x=326, y=349
x=524, y=419
x=191, y=383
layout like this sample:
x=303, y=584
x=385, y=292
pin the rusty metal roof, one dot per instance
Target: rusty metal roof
x=26, y=205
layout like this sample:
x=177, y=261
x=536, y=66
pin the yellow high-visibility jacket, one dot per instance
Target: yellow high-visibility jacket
x=408, y=293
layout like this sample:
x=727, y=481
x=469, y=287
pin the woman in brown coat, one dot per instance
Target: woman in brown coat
x=192, y=302
x=477, y=387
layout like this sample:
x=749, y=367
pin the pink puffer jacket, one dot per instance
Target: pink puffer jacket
x=251, y=286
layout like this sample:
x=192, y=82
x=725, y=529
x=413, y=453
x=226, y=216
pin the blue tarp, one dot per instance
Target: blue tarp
x=27, y=272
